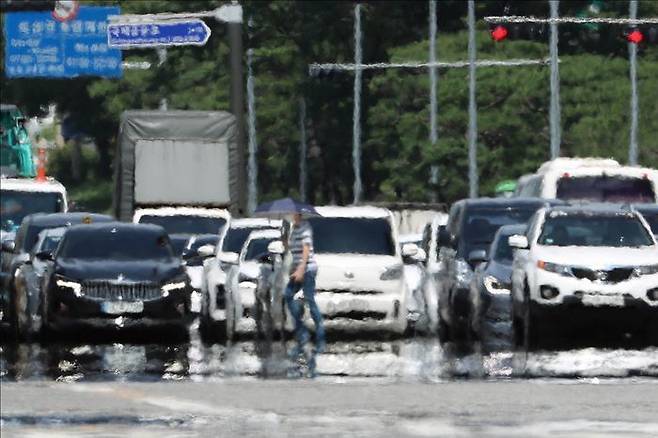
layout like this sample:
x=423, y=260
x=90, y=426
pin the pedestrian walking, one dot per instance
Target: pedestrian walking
x=302, y=280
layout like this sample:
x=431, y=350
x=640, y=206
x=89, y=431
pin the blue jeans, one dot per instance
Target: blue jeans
x=301, y=332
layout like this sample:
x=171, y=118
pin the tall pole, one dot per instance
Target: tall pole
x=356, y=131
x=237, y=108
x=632, y=53
x=252, y=176
x=433, y=73
x=302, y=149
x=472, y=109
x=555, y=85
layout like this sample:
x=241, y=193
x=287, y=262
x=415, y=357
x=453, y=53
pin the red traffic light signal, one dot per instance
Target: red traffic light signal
x=635, y=37
x=499, y=33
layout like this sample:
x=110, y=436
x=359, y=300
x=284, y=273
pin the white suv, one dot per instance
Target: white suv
x=218, y=261
x=360, y=283
x=584, y=270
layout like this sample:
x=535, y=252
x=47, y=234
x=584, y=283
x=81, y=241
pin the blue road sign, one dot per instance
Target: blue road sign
x=157, y=34
x=37, y=45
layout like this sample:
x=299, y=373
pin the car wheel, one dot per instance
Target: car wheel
x=529, y=327
x=211, y=330
x=652, y=332
x=443, y=331
x=19, y=312
x=518, y=328
x=230, y=319
x=44, y=310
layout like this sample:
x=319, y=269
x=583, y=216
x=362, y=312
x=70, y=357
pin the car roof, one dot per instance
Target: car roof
x=183, y=211
x=603, y=208
x=646, y=208
x=512, y=229
x=31, y=185
x=264, y=234
x=509, y=202
x=65, y=219
x=59, y=231
x=353, y=211
x=119, y=226
x=254, y=222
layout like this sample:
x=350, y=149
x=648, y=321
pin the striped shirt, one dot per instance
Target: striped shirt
x=301, y=235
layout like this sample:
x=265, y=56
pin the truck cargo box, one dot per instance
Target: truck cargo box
x=175, y=158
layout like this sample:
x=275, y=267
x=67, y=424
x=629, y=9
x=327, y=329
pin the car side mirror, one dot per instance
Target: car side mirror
x=477, y=256
x=8, y=246
x=518, y=241
x=276, y=247
x=44, y=255
x=409, y=250
x=420, y=257
x=229, y=258
x=206, y=251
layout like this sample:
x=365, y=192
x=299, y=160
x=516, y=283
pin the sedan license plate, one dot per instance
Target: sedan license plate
x=603, y=300
x=119, y=307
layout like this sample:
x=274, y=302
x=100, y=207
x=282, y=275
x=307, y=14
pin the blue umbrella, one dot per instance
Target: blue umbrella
x=282, y=207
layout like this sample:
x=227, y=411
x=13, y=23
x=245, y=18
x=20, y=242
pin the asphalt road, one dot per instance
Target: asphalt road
x=332, y=407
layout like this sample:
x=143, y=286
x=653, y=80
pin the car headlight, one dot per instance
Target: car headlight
x=173, y=286
x=563, y=270
x=645, y=270
x=68, y=284
x=392, y=273
x=494, y=286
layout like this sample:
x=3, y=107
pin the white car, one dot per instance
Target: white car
x=242, y=282
x=218, y=261
x=584, y=270
x=592, y=180
x=360, y=283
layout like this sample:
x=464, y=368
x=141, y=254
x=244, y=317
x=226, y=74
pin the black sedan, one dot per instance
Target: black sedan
x=16, y=253
x=490, y=289
x=116, y=276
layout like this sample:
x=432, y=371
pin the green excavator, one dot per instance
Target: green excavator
x=15, y=145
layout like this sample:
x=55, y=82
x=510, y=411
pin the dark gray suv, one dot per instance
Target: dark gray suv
x=464, y=243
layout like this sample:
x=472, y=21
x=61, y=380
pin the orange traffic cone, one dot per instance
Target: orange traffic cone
x=41, y=166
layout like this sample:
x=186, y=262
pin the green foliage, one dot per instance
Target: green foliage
x=287, y=35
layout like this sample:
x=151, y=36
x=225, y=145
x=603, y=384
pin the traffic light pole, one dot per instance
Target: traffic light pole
x=554, y=20
x=358, y=67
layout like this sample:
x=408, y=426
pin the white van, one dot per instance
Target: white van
x=590, y=179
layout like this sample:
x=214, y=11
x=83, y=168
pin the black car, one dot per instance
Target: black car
x=17, y=252
x=472, y=225
x=491, y=287
x=116, y=276
x=650, y=214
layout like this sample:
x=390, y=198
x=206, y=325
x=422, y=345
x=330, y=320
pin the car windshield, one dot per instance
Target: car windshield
x=483, y=223
x=184, y=224
x=503, y=252
x=257, y=247
x=115, y=244
x=652, y=220
x=606, y=189
x=50, y=243
x=351, y=235
x=614, y=230
x=15, y=205
x=236, y=237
